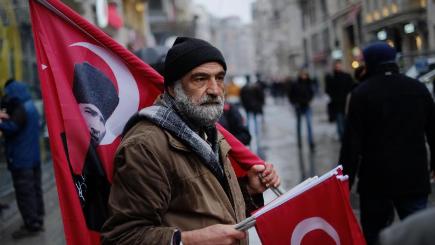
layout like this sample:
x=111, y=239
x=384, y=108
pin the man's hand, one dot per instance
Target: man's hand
x=262, y=177
x=211, y=235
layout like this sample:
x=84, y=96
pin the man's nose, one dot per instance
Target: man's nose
x=214, y=87
x=95, y=132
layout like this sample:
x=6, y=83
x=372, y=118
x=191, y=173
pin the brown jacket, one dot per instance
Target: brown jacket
x=160, y=185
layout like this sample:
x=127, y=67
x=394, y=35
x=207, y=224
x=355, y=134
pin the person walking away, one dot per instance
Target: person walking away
x=300, y=95
x=391, y=118
x=359, y=75
x=338, y=85
x=20, y=127
x=252, y=98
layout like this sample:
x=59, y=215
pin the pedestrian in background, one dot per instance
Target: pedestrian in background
x=232, y=121
x=338, y=86
x=391, y=118
x=20, y=127
x=359, y=75
x=252, y=99
x=301, y=94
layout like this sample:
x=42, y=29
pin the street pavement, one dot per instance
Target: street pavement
x=277, y=145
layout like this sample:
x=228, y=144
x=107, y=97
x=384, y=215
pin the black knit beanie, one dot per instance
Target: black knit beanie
x=186, y=54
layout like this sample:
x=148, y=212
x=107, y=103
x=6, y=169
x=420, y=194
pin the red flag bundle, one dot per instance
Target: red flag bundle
x=317, y=212
x=91, y=86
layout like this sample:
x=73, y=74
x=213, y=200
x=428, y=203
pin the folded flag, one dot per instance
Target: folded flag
x=317, y=212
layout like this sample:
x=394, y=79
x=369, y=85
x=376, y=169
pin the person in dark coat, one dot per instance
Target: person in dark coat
x=300, y=95
x=338, y=86
x=232, y=120
x=391, y=118
x=252, y=99
x=19, y=124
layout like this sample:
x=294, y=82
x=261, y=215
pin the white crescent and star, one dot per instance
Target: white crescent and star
x=311, y=224
x=128, y=92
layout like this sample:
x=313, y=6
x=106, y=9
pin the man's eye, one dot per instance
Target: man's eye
x=92, y=112
x=200, y=79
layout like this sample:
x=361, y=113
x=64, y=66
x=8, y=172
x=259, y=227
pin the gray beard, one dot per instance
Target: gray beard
x=203, y=115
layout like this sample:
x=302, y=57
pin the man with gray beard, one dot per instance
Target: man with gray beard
x=173, y=182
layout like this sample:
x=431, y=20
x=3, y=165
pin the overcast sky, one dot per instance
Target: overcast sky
x=225, y=8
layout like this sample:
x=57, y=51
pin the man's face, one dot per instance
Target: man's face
x=95, y=121
x=200, y=93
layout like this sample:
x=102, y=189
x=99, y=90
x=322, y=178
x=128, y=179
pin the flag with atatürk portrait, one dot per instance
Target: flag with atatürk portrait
x=91, y=86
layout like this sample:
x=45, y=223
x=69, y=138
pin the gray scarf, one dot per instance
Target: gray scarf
x=164, y=113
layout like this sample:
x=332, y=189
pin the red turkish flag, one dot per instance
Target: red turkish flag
x=320, y=215
x=91, y=86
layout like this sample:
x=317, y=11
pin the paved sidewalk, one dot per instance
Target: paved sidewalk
x=53, y=234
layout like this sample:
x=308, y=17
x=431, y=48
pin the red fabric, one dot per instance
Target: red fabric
x=240, y=155
x=320, y=215
x=114, y=19
x=62, y=39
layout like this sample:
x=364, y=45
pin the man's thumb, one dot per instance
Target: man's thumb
x=258, y=168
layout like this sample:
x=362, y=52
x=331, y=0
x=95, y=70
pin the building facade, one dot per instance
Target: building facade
x=278, y=45
x=234, y=39
x=338, y=29
x=402, y=23
x=171, y=18
x=431, y=24
x=332, y=30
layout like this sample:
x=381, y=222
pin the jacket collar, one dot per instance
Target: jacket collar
x=383, y=69
x=223, y=144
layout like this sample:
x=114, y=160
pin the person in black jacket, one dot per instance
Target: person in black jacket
x=338, y=86
x=232, y=120
x=391, y=118
x=300, y=95
x=253, y=99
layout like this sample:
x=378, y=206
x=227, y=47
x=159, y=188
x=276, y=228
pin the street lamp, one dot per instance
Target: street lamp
x=382, y=35
x=409, y=28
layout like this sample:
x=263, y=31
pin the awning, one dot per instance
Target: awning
x=115, y=20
